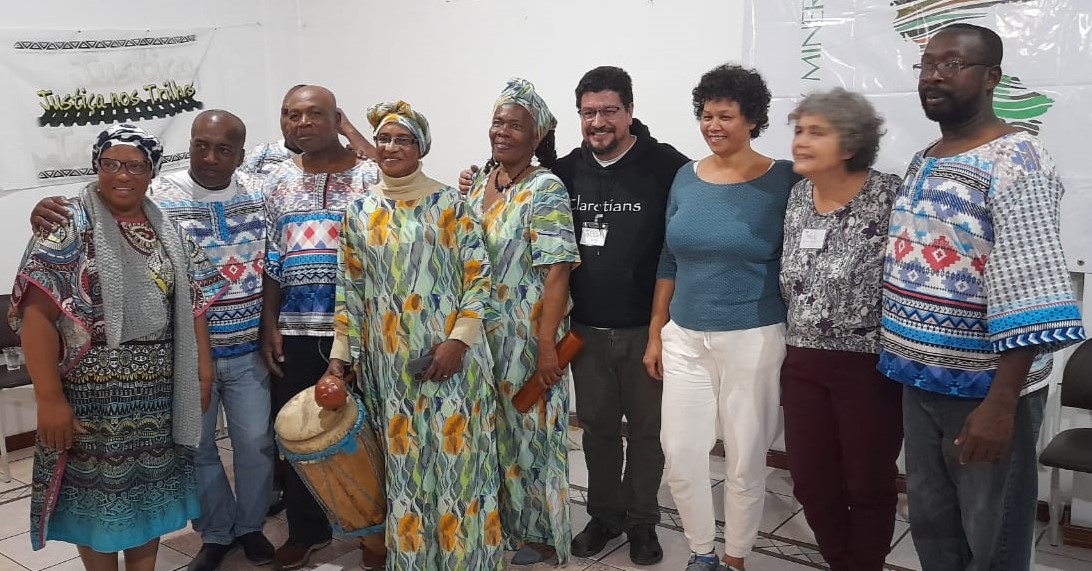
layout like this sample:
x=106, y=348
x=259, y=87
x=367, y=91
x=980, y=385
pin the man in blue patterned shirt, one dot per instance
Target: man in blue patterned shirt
x=977, y=297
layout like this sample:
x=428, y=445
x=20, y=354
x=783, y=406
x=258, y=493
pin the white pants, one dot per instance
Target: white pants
x=733, y=377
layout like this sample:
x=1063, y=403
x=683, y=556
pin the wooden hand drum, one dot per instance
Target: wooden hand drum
x=339, y=458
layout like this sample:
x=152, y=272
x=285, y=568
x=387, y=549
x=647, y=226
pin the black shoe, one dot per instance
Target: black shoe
x=256, y=547
x=210, y=557
x=593, y=539
x=644, y=546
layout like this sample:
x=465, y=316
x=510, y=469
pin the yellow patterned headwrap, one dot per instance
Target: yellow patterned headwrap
x=522, y=93
x=400, y=112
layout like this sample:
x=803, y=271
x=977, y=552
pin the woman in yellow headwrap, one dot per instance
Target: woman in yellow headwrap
x=528, y=228
x=414, y=285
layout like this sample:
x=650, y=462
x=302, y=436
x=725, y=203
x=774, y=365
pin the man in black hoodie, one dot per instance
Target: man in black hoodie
x=618, y=181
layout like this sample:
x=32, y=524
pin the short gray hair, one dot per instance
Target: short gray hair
x=853, y=117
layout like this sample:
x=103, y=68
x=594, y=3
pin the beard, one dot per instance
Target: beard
x=607, y=149
x=950, y=112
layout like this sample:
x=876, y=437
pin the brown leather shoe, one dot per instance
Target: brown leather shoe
x=295, y=555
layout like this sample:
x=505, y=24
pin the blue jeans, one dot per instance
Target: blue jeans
x=242, y=386
x=977, y=516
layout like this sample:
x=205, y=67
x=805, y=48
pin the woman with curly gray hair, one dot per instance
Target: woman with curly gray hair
x=843, y=419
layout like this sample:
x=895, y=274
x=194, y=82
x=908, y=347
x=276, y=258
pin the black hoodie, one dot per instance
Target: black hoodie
x=613, y=286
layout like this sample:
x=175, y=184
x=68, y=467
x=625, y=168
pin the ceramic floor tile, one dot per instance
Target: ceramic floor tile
x=17, y=548
x=578, y=468
x=902, y=509
x=776, y=511
x=339, y=547
x=769, y=563
x=21, y=453
x=902, y=529
x=23, y=470
x=1052, y=562
x=779, y=481
x=14, y=518
x=349, y=561
x=166, y=559
x=605, y=567
x=72, y=565
x=13, y=484
x=796, y=528
x=716, y=468
x=9, y=565
x=903, y=553
x=1066, y=551
x=186, y=541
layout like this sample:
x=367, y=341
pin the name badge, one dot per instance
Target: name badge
x=813, y=238
x=594, y=234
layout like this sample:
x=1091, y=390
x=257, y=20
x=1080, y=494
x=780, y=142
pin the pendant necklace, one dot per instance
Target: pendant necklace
x=502, y=188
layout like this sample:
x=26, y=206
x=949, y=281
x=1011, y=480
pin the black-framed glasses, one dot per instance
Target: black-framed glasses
x=132, y=167
x=397, y=140
x=607, y=113
x=944, y=69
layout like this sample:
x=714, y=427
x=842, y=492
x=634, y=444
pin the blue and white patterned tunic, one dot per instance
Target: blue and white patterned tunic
x=974, y=267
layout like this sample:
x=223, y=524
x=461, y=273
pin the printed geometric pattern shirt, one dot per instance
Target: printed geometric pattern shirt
x=229, y=225
x=303, y=225
x=974, y=267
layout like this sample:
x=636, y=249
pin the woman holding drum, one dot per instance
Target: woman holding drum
x=413, y=287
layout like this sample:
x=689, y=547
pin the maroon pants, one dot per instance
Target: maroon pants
x=843, y=433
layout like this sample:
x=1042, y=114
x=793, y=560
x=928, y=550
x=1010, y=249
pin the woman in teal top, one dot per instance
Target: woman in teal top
x=717, y=336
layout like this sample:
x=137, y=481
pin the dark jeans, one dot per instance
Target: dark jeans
x=977, y=516
x=611, y=382
x=305, y=360
x=843, y=433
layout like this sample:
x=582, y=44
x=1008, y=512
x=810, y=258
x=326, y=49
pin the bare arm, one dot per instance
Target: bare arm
x=360, y=144
x=272, y=344
x=555, y=297
x=42, y=347
x=987, y=432
x=661, y=314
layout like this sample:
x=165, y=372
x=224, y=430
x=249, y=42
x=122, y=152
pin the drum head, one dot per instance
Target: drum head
x=304, y=427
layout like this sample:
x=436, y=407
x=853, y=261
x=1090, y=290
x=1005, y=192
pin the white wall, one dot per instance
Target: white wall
x=269, y=51
x=450, y=59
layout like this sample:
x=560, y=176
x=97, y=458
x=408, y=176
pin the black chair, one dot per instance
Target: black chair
x=8, y=380
x=1070, y=449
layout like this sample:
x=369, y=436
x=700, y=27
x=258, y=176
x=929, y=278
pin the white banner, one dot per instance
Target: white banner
x=64, y=87
x=869, y=46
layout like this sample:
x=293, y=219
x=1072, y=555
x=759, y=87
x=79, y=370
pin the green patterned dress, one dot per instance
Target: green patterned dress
x=407, y=271
x=527, y=229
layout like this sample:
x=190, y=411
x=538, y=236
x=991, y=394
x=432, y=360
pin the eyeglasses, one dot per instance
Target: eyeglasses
x=608, y=113
x=399, y=141
x=944, y=69
x=132, y=167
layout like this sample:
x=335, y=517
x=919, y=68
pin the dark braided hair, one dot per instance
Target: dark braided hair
x=546, y=152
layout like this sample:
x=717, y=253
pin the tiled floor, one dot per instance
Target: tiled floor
x=785, y=541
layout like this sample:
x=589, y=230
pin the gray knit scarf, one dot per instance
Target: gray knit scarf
x=133, y=309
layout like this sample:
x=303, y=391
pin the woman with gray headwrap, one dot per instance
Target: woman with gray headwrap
x=110, y=310
x=412, y=290
x=528, y=227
